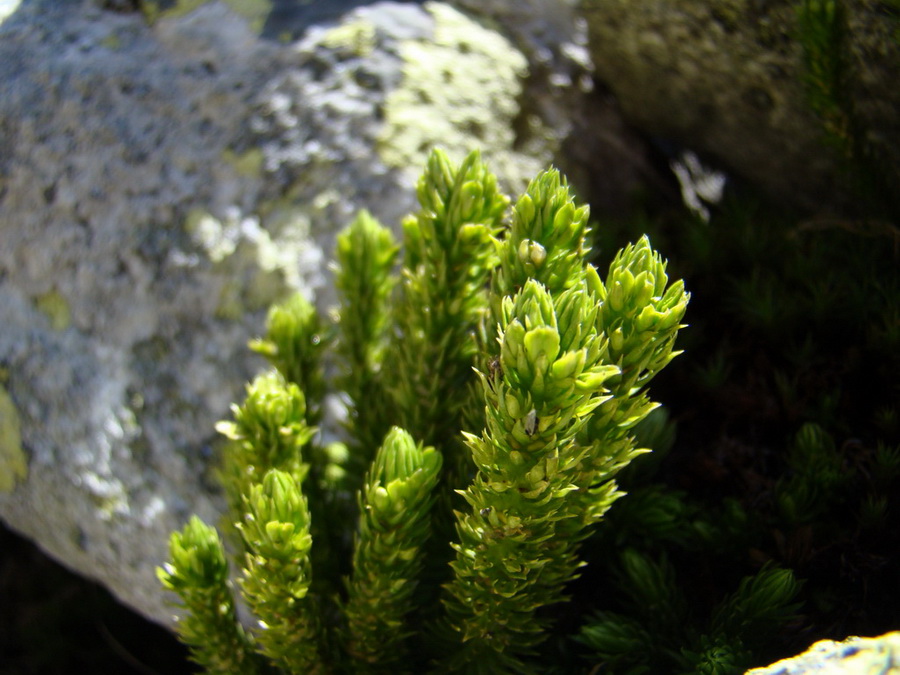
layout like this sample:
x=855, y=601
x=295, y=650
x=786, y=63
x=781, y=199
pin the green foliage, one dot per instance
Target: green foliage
x=816, y=479
x=641, y=315
x=294, y=345
x=540, y=478
x=659, y=633
x=448, y=257
x=366, y=252
x=504, y=327
x=830, y=70
x=394, y=524
x=545, y=241
x=785, y=454
x=268, y=432
x=198, y=573
x=517, y=545
x=821, y=27
x=277, y=572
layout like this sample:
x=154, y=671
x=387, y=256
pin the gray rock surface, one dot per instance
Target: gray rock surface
x=725, y=78
x=600, y=153
x=853, y=656
x=161, y=182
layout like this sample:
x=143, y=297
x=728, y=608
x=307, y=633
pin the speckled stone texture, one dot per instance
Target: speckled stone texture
x=163, y=179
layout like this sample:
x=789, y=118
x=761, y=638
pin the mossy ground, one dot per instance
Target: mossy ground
x=794, y=320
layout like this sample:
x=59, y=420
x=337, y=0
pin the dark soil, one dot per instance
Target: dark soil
x=53, y=622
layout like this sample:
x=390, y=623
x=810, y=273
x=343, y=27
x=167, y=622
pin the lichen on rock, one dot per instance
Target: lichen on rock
x=255, y=11
x=358, y=37
x=54, y=306
x=260, y=263
x=13, y=463
x=459, y=91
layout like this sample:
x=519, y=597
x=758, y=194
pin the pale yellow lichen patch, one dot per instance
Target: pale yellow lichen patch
x=291, y=226
x=13, y=463
x=459, y=92
x=260, y=263
x=255, y=11
x=55, y=307
x=248, y=164
x=218, y=239
x=357, y=37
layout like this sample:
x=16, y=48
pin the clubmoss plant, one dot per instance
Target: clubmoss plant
x=494, y=387
x=821, y=27
x=786, y=431
x=660, y=634
x=831, y=71
x=448, y=258
x=269, y=431
x=364, y=275
x=278, y=572
x=198, y=572
x=518, y=540
x=394, y=524
x=294, y=344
